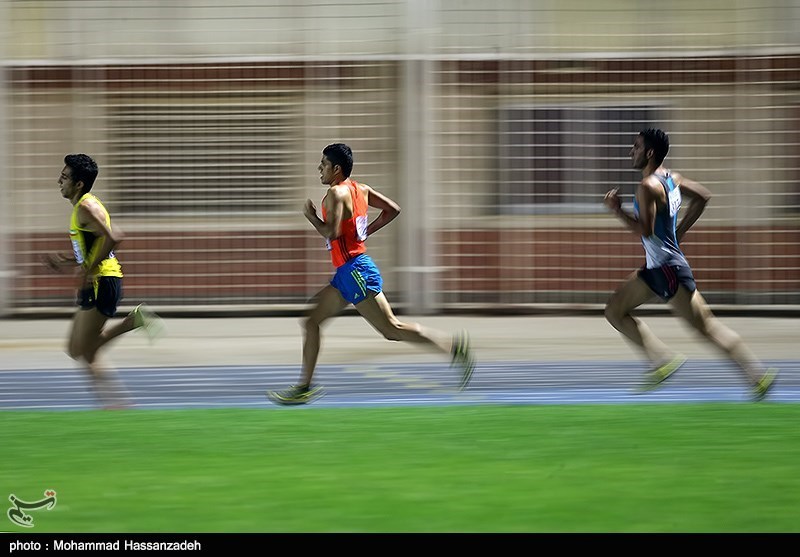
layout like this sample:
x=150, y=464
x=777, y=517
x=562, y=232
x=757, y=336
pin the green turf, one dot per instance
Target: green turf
x=591, y=468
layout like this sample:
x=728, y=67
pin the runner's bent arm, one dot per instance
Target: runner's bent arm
x=57, y=262
x=94, y=219
x=646, y=197
x=334, y=208
x=389, y=209
x=698, y=197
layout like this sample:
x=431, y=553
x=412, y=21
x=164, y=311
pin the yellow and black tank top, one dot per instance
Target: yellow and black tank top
x=85, y=243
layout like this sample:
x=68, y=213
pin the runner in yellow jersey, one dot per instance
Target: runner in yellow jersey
x=98, y=276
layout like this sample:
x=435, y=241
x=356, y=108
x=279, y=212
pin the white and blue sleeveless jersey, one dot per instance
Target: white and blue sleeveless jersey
x=662, y=247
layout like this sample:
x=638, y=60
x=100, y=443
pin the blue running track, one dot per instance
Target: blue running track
x=560, y=382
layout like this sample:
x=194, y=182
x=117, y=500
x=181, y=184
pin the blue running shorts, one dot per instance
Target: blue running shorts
x=356, y=278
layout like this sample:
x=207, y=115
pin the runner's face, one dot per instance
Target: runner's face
x=325, y=171
x=65, y=182
x=638, y=153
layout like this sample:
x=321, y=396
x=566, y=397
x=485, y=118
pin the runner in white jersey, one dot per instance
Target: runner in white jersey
x=666, y=273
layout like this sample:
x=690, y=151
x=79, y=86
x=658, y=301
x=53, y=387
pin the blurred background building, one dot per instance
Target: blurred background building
x=497, y=126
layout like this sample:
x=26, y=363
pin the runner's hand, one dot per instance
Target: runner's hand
x=612, y=200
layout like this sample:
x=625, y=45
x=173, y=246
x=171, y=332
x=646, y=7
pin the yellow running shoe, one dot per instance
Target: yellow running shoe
x=148, y=321
x=296, y=394
x=765, y=384
x=663, y=372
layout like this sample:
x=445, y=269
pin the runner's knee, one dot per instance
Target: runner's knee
x=73, y=351
x=702, y=325
x=82, y=352
x=613, y=314
x=393, y=333
x=311, y=323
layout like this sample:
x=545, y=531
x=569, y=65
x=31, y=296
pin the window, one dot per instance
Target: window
x=563, y=159
x=199, y=155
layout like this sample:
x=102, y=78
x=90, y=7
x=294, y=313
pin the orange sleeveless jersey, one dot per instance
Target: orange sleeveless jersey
x=350, y=242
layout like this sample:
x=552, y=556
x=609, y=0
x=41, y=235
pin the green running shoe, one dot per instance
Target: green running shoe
x=462, y=357
x=296, y=394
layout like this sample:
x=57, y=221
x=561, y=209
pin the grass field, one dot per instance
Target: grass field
x=589, y=468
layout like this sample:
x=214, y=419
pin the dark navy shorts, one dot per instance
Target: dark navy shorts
x=356, y=278
x=665, y=280
x=105, y=295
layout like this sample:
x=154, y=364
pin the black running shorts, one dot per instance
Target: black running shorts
x=665, y=280
x=105, y=295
